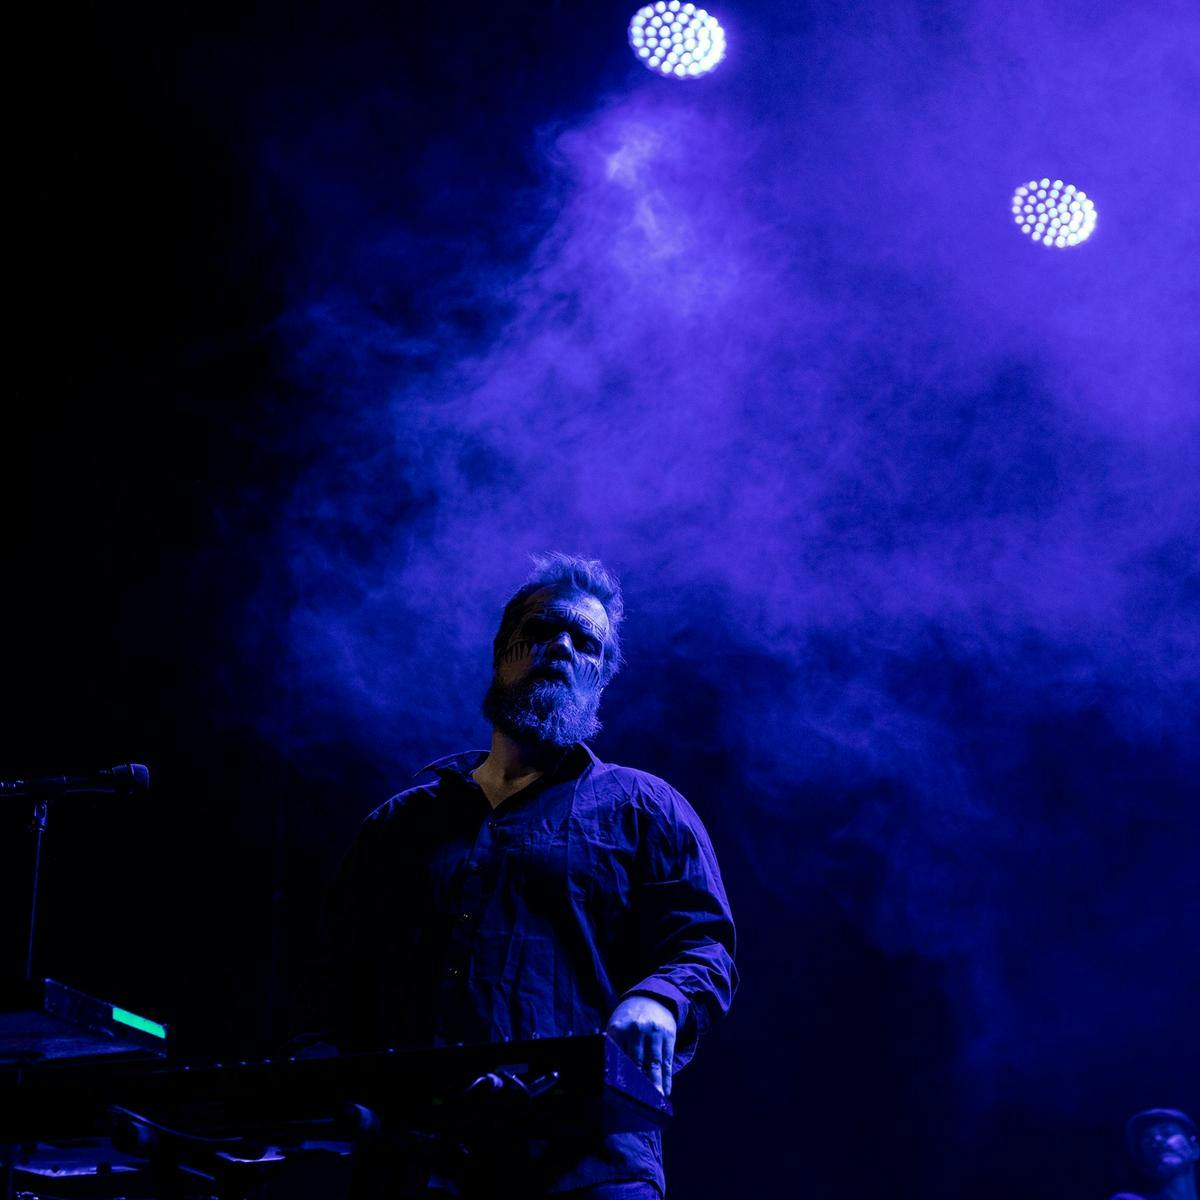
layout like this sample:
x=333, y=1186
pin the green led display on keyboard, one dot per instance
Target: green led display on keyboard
x=125, y=1017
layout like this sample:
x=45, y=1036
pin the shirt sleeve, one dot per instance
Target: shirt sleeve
x=684, y=924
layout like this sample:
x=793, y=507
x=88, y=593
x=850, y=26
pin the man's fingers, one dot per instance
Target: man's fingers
x=654, y=1057
x=654, y=1068
x=639, y=1050
x=648, y=1037
x=628, y=1038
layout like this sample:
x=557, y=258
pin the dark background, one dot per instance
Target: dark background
x=266, y=254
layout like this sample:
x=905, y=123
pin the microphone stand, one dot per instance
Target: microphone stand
x=41, y=813
x=121, y=780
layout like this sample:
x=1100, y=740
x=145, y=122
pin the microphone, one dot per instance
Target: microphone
x=126, y=779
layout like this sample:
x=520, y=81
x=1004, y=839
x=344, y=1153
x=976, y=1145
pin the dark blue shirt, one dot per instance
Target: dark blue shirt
x=453, y=922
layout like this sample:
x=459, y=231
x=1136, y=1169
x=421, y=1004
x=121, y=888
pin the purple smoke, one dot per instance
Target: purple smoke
x=913, y=502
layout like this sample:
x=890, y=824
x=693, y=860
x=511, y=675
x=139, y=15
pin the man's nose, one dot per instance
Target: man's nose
x=561, y=646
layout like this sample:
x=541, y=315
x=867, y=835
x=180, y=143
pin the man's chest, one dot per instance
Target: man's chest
x=534, y=861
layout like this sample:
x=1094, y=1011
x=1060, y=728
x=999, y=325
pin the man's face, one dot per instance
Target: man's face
x=1166, y=1149
x=547, y=681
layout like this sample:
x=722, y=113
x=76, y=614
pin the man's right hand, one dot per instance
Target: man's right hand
x=645, y=1030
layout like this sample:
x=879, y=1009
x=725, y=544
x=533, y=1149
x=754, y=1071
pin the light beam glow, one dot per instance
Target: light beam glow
x=1053, y=213
x=676, y=39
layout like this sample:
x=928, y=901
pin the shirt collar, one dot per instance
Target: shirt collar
x=463, y=763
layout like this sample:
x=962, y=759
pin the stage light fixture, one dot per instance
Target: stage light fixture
x=676, y=40
x=1053, y=213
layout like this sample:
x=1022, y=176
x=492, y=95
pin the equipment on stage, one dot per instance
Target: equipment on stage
x=125, y=779
x=91, y=1107
x=66, y=1027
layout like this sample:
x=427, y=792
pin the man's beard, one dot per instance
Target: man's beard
x=547, y=711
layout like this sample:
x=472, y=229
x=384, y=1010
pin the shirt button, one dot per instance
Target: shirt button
x=465, y=917
x=454, y=972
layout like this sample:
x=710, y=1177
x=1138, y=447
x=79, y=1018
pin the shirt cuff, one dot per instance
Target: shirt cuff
x=665, y=993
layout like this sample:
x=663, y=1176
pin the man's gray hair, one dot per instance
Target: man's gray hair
x=569, y=572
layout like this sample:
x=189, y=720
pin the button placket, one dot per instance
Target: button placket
x=470, y=904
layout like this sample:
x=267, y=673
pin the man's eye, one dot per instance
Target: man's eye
x=587, y=645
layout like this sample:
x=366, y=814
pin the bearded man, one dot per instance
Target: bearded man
x=530, y=891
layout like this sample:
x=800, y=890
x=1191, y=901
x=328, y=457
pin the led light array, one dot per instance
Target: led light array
x=1053, y=214
x=677, y=39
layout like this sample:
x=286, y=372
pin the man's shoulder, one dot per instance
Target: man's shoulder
x=629, y=779
x=629, y=785
x=400, y=806
x=423, y=789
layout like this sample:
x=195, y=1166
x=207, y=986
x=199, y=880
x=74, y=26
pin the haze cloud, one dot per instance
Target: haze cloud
x=914, y=501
